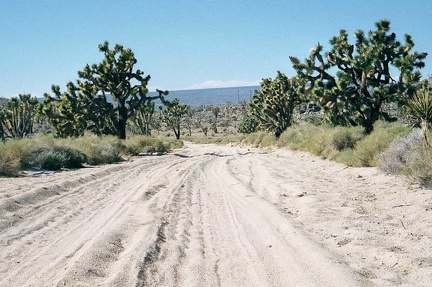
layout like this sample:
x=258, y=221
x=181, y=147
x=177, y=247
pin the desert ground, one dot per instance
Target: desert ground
x=208, y=215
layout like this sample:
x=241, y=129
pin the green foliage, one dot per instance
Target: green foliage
x=273, y=105
x=398, y=155
x=71, y=113
x=9, y=166
x=215, y=111
x=172, y=115
x=418, y=167
x=367, y=150
x=307, y=137
x=84, y=105
x=419, y=109
x=47, y=152
x=145, y=144
x=55, y=158
x=100, y=150
x=363, y=81
x=345, y=137
x=259, y=139
x=17, y=118
x=410, y=157
x=249, y=124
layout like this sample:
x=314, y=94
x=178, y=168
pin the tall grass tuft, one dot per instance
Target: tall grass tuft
x=393, y=159
x=9, y=165
x=55, y=158
x=100, y=150
x=47, y=152
x=149, y=145
x=346, y=137
x=367, y=150
x=418, y=167
x=13, y=155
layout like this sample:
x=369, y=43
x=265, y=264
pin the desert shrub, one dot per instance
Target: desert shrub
x=418, y=167
x=346, y=156
x=47, y=159
x=145, y=144
x=173, y=143
x=12, y=153
x=9, y=165
x=249, y=124
x=317, y=141
x=290, y=138
x=366, y=151
x=393, y=159
x=307, y=137
x=100, y=150
x=346, y=137
x=410, y=156
x=268, y=140
x=254, y=139
x=55, y=158
x=226, y=139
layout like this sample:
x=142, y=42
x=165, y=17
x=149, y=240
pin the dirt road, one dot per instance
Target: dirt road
x=210, y=215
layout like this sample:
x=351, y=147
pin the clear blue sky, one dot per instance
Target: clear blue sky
x=186, y=44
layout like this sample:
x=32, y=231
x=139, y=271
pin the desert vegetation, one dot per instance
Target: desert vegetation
x=361, y=103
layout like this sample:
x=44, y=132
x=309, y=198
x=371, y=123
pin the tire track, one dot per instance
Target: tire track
x=205, y=216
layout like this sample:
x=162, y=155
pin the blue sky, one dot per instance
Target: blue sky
x=186, y=44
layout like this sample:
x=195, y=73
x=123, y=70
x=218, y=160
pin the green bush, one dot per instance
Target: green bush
x=367, y=150
x=54, y=158
x=393, y=159
x=308, y=137
x=409, y=156
x=9, y=165
x=254, y=139
x=145, y=144
x=249, y=124
x=418, y=167
x=291, y=138
x=12, y=153
x=346, y=137
x=100, y=150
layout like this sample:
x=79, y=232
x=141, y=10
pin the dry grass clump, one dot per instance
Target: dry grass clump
x=418, y=167
x=396, y=156
x=346, y=137
x=100, y=150
x=150, y=145
x=259, y=139
x=347, y=145
x=12, y=153
x=367, y=150
x=47, y=152
x=55, y=158
x=323, y=140
x=409, y=156
x=9, y=165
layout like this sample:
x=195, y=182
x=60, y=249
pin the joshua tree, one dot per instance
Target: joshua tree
x=17, y=118
x=86, y=106
x=215, y=111
x=363, y=81
x=115, y=76
x=172, y=115
x=273, y=105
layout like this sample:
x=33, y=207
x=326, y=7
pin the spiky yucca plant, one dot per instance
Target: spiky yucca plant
x=420, y=110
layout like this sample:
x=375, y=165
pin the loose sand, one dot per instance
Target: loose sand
x=210, y=215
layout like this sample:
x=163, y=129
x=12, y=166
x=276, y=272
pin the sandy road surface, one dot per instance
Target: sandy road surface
x=208, y=215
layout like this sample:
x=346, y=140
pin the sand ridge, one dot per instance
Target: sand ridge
x=208, y=215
